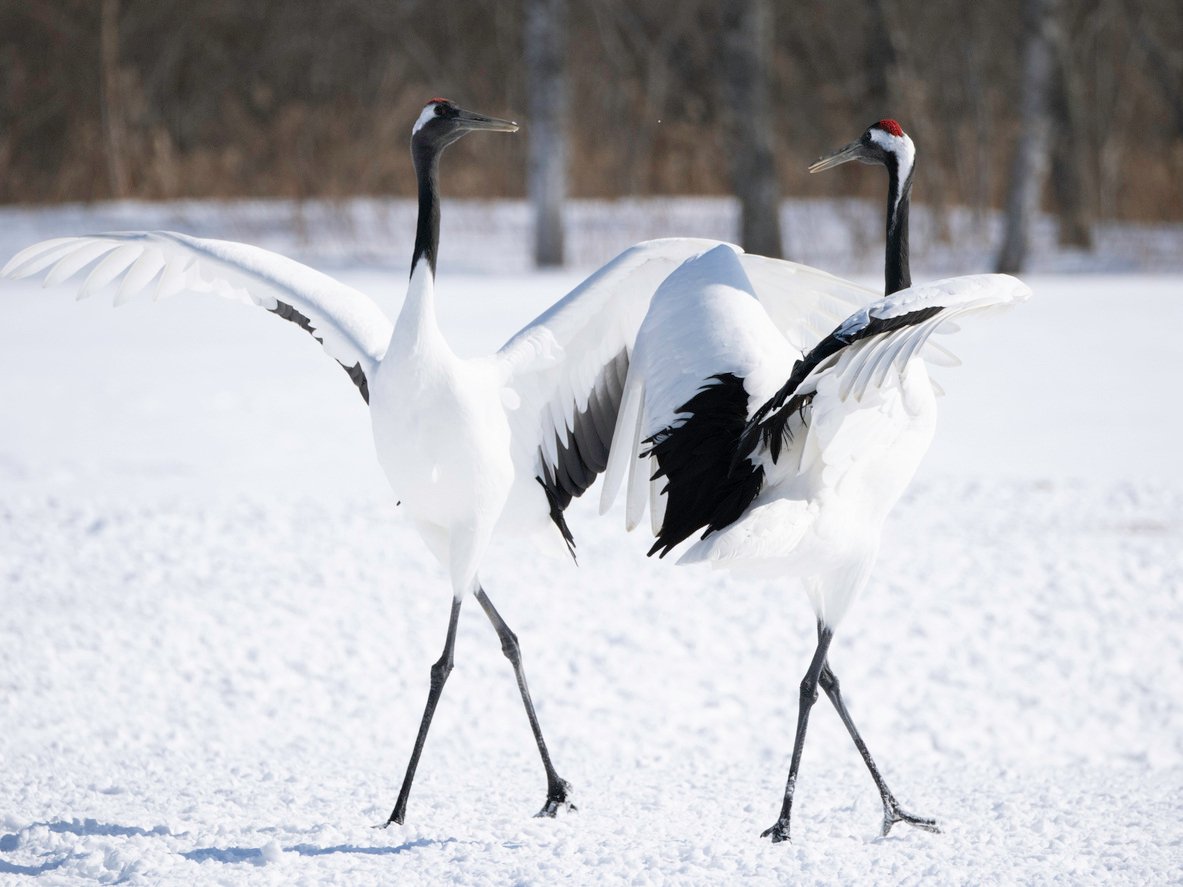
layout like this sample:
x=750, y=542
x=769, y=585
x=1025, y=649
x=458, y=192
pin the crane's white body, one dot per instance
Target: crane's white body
x=852, y=451
x=442, y=437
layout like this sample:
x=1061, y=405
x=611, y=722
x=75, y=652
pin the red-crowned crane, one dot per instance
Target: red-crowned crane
x=782, y=448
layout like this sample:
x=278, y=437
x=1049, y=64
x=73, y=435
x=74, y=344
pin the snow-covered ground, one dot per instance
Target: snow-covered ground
x=216, y=628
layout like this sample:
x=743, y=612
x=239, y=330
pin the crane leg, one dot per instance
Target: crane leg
x=780, y=830
x=439, y=674
x=558, y=790
x=892, y=811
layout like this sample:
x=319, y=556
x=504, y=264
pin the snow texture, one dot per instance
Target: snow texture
x=216, y=628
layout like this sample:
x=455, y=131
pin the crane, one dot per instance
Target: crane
x=783, y=448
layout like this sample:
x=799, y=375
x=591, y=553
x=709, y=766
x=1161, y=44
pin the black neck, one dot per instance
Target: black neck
x=427, y=233
x=897, y=275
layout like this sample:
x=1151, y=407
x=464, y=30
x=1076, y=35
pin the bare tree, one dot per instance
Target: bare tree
x=1069, y=178
x=882, y=61
x=170, y=98
x=1166, y=75
x=547, y=101
x=112, y=105
x=1029, y=167
x=747, y=72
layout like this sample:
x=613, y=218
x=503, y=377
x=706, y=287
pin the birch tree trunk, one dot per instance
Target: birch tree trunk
x=1029, y=168
x=747, y=74
x=546, y=128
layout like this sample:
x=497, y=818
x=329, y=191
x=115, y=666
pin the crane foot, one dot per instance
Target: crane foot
x=893, y=813
x=778, y=833
x=557, y=798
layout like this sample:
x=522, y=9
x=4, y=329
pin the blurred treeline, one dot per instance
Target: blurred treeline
x=193, y=98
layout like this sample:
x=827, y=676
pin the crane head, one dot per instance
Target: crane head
x=442, y=122
x=882, y=142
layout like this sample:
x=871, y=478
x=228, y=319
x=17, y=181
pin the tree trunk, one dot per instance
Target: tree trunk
x=747, y=73
x=112, y=108
x=1069, y=178
x=882, y=63
x=547, y=101
x=1029, y=167
x=1159, y=66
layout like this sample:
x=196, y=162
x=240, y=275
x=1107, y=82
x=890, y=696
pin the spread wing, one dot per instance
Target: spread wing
x=869, y=349
x=709, y=355
x=352, y=329
x=706, y=350
x=806, y=304
x=883, y=336
x=568, y=366
x=803, y=303
x=728, y=423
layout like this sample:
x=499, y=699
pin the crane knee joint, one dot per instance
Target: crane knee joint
x=440, y=671
x=510, y=646
x=808, y=692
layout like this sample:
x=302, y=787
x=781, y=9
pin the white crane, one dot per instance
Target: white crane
x=492, y=445
x=790, y=478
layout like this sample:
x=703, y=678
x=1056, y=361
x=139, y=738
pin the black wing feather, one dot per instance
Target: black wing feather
x=355, y=372
x=711, y=479
x=583, y=449
x=770, y=423
x=696, y=455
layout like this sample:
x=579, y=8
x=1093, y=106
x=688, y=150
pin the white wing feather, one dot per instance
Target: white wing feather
x=600, y=318
x=805, y=304
x=865, y=365
x=352, y=328
x=555, y=361
x=705, y=320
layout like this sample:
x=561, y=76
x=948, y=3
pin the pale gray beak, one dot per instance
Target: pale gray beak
x=853, y=151
x=472, y=120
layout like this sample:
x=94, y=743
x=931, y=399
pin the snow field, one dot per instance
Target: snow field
x=216, y=628
x=229, y=694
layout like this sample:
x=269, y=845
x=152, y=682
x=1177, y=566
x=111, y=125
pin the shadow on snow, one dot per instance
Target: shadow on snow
x=84, y=827
x=255, y=855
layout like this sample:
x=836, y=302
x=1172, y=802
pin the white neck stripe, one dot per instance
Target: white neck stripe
x=904, y=152
x=426, y=114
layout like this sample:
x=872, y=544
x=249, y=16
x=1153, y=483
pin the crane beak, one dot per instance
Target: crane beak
x=853, y=151
x=472, y=120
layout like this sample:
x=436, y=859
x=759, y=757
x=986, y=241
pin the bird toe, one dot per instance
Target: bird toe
x=892, y=815
x=558, y=798
x=778, y=833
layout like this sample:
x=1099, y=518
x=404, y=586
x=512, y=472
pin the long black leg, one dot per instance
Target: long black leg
x=780, y=830
x=892, y=811
x=439, y=674
x=558, y=791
